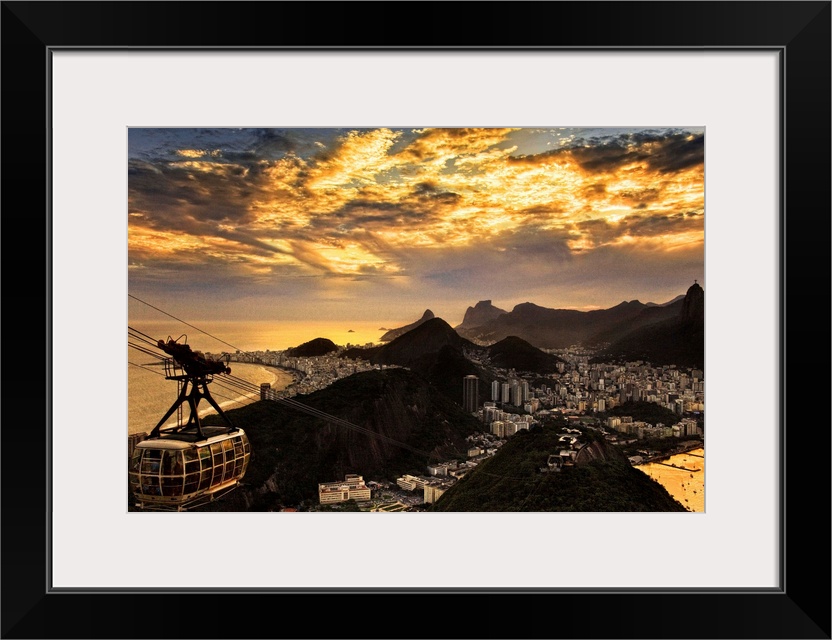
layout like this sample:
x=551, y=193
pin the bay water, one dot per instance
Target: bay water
x=150, y=395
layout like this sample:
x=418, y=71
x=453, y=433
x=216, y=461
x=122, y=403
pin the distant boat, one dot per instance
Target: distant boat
x=350, y=331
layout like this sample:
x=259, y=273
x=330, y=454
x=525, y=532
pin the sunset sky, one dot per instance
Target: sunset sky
x=365, y=224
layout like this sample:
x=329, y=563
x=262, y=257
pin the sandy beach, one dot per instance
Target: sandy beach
x=687, y=485
x=150, y=395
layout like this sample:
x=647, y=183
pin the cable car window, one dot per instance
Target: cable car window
x=204, y=453
x=172, y=463
x=172, y=486
x=150, y=486
x=149, y=465
x=229, y=470
x=136, y=459
x=191, y=460
x=191, y=482
x=216, y=449
x=205, y=480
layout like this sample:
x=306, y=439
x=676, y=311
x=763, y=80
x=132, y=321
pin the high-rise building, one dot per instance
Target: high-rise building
x=506, y=393
x=517, y=395
x=495, y=391
x=470, y=393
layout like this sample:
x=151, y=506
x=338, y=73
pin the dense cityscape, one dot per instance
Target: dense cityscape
x=576, y=395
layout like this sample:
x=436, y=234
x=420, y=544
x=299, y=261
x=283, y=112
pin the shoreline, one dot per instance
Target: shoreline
x=228, y=399
x=295, y=374
x=686, y=485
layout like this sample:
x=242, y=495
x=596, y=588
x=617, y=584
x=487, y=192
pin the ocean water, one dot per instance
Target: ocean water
x=150, y=395
x=261, y=335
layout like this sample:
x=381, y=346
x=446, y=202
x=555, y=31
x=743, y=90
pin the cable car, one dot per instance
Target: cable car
x=180, y=470
x=190, y=464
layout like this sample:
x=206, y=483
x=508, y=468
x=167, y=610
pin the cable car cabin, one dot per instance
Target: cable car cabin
x=178, y=470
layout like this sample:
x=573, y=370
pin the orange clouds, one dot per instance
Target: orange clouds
x=362, y=203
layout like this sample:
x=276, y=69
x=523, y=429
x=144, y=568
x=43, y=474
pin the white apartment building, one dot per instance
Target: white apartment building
x=352, y=488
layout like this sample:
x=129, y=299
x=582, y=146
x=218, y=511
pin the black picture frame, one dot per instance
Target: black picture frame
x=800, y=608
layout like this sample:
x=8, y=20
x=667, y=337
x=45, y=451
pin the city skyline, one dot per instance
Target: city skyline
x=358, y=224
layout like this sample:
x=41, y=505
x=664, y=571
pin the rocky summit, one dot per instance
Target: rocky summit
x=480, y=314
x=392, y=334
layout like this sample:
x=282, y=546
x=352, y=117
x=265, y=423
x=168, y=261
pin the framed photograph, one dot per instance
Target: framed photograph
x=147, y=132
x=310, y=238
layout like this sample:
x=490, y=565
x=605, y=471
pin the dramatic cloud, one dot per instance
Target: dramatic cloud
x=569, y=218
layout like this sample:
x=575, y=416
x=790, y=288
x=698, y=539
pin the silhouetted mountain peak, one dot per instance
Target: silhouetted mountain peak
x=513, y=352
x=395, y=333
x=316, y=347
x=670, y=302
x=679, y=339
x=480, y=314
x=693, y=307
x=428, y=337
x=511, y=341
x=528, y=307
x=433, y=326
x=626, y=304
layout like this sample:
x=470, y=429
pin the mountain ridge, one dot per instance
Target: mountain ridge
x=678, y=340
x=551, y=328
x=480, y=314
x=392, y=334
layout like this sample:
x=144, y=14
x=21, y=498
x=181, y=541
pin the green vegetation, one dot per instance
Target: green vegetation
x=514, y=353
x=512, y=481
x=293, y=452
x=661, y=445
x=316, y=347
x=642, y=411
x=675, y=341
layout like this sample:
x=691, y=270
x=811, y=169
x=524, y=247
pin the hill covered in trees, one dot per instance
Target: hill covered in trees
x=601, y=480
x=316, y=347
x=402, y=425
x=679, y=340
x=515, y=353
x=642, y=411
